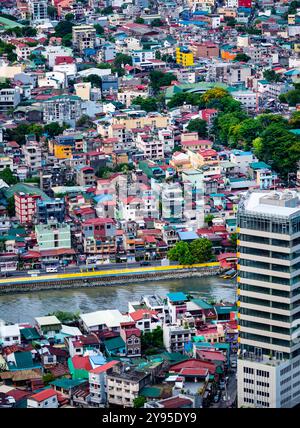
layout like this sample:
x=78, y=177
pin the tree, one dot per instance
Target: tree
x=159, y=79
x=6, y=84
x=66, y=317
x=63, y=28
x=11, y=209
x=231, y=22
x=198, y=251
x=233, y=240
x=209, y=218
x=99, y=29
x=213, y=94
x=147, y=104
x=107, y=10
x=277, y=143
x=51, y=11
x=271, y=76
x=84, y=121
x=7, y=176
x=292, y=98
x=157, y=23
x=67, y=40
x=242, y=57
x=139, y=20
x=294, y=121
x=69, y=17
x=54, y=128
x=139, y=402
x=48, y=377
x=8, y=49
x=185, y=98
x=157, y=55
x=181, y=253
x=201, y=250
x=198, y=125
x=153, y=340
x=94, y=79
x=122, y=59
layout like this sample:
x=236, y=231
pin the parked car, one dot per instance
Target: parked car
x=144, y=263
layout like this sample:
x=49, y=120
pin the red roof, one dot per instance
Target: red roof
x=64, y=60
x=98, y=221
x=211, y=355
x=81, y=363
x=105, y=367
x=194, y=372
x=139, y=314
x=43, y=395
x=132, y=331
x=193, y=364
x=175, y=402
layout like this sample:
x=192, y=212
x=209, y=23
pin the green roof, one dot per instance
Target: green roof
x=23, y=360
x=225, y=309
x=172, y=357
x=29, y=333
x=259, y=165
x=64, y=96
x=27, y=189
x=151, y=392
x=8, y=23
x=202, y=303
x=231, y=221
x=67, y=383
x=193, y=87
x=114, y=343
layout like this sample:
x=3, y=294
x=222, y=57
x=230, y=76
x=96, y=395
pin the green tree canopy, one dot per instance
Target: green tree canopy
x=159, y=79
x=198, y=125
x=8, y=176
x=63, y=28
x=94, y=79
x=157, y=23
x=139, y=402
x=198, y=251
x=271, y=76
x=242, y=57
x=99, y=29
x=54, y=128
x=201, y=250
x=147, y=104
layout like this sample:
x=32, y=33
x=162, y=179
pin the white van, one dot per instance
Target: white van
x=51, y=269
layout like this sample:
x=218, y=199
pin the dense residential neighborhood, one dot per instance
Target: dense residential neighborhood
x=151, y=140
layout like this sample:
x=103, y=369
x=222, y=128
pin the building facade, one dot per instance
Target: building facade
x=269, y=295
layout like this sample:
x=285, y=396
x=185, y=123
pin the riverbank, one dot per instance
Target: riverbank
x=25, y=306
x=106, y=281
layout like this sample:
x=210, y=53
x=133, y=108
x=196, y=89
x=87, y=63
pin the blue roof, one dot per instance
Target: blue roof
x=188, y=236
x=241, y=153
x=98, y=360
x=217, y=195
x=177, y=297
x=103, y=198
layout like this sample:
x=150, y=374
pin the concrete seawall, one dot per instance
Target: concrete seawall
x=106, y=281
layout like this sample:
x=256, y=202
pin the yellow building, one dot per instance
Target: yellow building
x=184, y=56
x=62, y=152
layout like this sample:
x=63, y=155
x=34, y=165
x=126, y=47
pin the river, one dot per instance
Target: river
x=23, y=307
